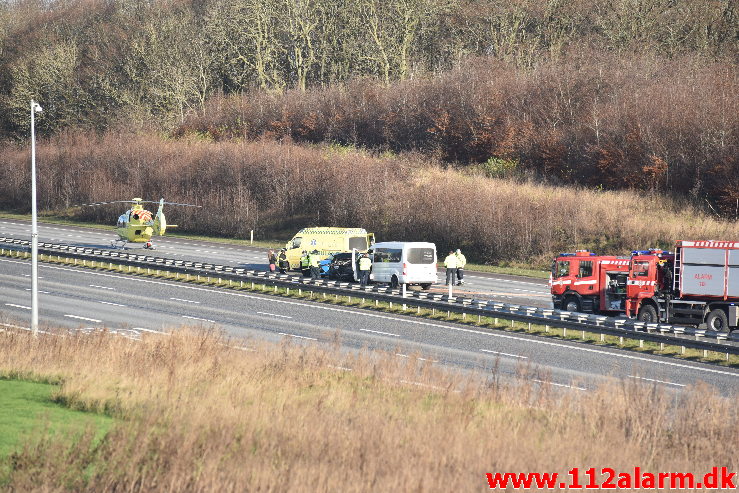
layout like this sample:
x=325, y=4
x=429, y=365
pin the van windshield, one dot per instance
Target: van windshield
x=421, y=255
x=358, y=242
x=296, y=242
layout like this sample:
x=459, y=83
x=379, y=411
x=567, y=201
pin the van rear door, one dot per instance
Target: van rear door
x=421, y=264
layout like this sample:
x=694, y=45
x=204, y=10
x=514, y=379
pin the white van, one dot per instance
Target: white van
x=404, y=262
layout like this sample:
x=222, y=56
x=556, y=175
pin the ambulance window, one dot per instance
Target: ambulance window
x=563, y=268
x=641, y=268
x=358, y=242
x=296, y=242
x=586, y=268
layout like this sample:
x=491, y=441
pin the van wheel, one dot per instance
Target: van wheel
x=718, y=321
x=572, y=304
x=647, y=314
x=426, y=286
x=394, y=282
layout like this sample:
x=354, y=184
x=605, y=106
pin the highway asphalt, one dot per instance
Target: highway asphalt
x=82, y=299
x=505, y=288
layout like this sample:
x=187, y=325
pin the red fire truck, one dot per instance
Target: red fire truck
x=586, y=282
x=697, y=284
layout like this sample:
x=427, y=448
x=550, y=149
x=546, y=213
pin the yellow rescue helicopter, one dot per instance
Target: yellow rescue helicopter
x=138, y=225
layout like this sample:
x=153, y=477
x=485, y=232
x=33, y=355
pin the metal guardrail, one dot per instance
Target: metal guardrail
x=674, y=335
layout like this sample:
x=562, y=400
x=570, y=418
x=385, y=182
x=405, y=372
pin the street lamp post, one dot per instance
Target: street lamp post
x=34, y=226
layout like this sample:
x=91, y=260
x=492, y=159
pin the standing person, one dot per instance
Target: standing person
x=461, y=262
x=450, y=262
x=365, y=265
x=304, y=263
x=272, y=259
x=313, y=262
x=282, y=261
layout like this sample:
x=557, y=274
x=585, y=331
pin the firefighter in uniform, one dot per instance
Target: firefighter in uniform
x=461, y=262
x=365, y=264
x=282, y=261
x=313, y=262
x=450, y=262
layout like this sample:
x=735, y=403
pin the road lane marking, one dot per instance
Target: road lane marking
x=558, y=384
x=197, y=318
x=29, y=275
x=299, y=337
x=84, y=318
x=380, y=332
x=418, y=358
x=186, y=301
x=385, y=317
x=43, y=292
x=18, y=306
x=657, y=381
x=273, y=314
x=101, y=287
x=109, y=303
x=504, y=354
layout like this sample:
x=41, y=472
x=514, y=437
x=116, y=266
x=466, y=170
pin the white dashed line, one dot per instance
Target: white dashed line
x=558, y=384
x=109, y=303
x=18, y=306
x=419, y=359
x=84, y=318
x=272, y=314
x=186, y=301
x=201, y=319
x=656, y=381
x=299, y=337
x=101, y=287
x=380, y=332
x=504, y=354
x=43, y=292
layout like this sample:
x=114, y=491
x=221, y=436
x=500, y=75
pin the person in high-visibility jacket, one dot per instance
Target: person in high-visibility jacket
x=304, y=263
x=461, y=262
x=450, y=262
x=313, y=262
x=365, y=265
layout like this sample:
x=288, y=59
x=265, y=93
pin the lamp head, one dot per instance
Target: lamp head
x=36, y=107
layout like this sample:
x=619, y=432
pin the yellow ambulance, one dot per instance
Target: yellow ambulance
x=327, y=240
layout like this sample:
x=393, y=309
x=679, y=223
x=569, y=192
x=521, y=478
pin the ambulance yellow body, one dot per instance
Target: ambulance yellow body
x=327, y=240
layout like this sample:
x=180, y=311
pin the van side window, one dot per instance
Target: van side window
x=358, y=242
x=421, y=255
x=296, y=242
x=586, y=268
x=563, y=268
x=387, y=255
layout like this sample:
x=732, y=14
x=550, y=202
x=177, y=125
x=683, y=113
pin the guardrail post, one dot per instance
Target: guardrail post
x=620, y=340
x=564, y=332
x=546, y=329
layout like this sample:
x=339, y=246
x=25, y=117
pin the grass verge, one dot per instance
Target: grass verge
x=29, y=410
x=200, y=415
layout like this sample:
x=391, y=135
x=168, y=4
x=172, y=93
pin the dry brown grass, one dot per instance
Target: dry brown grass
x=197, y=415
x=276, y=188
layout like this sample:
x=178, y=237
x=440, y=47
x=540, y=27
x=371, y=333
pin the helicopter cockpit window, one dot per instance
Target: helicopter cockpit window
x=122, y=220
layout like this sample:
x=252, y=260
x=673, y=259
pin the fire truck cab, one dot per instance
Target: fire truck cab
x=650, y=275
x=585, y=282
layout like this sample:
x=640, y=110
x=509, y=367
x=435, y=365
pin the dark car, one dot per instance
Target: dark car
x=340, y=267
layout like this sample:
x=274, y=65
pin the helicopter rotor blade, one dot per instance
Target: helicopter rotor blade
x=168, y=203
x=104, y=203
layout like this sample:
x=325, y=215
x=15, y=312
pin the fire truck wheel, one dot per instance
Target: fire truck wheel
x=647, y=314
x=718, y=321
x=572, y=304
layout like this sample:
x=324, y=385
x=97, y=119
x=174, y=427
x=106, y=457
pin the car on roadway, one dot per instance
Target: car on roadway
x=340, y=267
